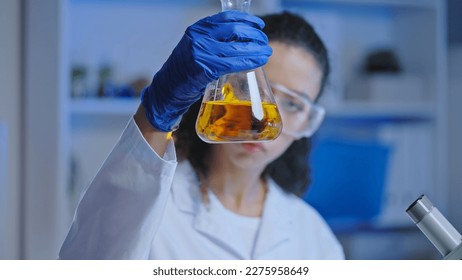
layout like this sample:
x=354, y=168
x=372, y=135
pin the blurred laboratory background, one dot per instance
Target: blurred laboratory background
x=71, y=72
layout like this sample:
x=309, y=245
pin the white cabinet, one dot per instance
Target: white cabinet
x=406, y=111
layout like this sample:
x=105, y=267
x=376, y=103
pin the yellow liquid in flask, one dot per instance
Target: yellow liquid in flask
x=222, y=121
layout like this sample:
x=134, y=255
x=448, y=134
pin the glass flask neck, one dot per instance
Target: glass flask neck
x=238, y=5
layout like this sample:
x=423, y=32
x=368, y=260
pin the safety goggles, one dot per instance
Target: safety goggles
x=301, y=117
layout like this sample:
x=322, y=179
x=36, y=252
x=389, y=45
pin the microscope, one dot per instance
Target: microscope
x=436, y=228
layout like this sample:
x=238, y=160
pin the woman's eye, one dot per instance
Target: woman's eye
x=291, y=106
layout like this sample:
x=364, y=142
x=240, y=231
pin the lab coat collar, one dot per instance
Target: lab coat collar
x=276, y=221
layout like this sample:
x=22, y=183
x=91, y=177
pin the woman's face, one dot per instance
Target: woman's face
x=294, y=68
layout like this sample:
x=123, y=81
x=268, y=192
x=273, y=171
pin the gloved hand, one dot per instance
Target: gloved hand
x=224, y=43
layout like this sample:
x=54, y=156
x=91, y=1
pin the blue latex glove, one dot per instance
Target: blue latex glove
x=224, y=43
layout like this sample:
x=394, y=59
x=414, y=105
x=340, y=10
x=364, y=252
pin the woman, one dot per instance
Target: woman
x=225, y=201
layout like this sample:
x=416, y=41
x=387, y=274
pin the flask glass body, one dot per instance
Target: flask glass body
x=239, y=107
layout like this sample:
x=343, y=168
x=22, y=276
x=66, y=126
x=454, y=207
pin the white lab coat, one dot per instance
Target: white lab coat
x=141, y=206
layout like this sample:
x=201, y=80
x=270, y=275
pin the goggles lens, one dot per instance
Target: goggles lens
x=301, y=117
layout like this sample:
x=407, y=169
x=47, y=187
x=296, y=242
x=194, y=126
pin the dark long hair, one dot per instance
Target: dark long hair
x=291, y=170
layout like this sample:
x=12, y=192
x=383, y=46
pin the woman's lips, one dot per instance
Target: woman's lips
x=252, y=147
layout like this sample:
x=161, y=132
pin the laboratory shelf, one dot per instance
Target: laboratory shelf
x=104, y=106
x=349, y=110
x=384, y=3
x=381, y=111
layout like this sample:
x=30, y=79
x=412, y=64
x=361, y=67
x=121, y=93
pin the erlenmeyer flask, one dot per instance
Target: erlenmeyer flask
x=239, y=107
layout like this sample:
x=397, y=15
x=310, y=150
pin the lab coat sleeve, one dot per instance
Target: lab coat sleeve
x=121, y=210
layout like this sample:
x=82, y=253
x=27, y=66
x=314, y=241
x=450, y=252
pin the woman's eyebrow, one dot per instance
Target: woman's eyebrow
x=303, y=95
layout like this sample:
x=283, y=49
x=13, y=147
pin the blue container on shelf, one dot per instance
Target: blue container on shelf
x=348, y=181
